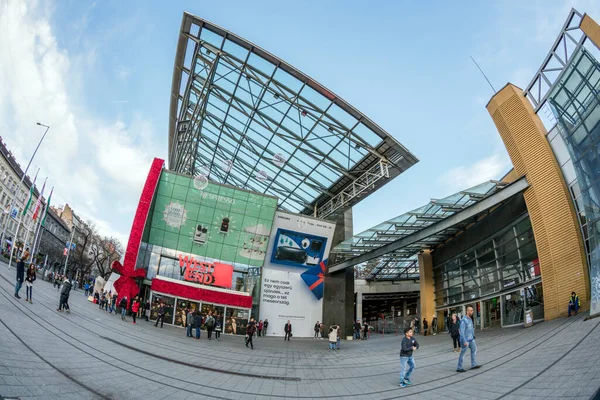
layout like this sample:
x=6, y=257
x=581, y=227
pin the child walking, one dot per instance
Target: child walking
x=409, y=344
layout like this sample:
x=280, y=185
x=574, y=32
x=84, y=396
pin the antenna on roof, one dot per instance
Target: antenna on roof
x=482, y=73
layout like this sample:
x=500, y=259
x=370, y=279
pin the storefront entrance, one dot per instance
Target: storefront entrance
x=491, y=313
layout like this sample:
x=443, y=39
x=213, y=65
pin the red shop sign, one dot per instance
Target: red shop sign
x=206, y=273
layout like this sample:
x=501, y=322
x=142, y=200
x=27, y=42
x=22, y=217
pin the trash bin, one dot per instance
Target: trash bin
x=528, y=318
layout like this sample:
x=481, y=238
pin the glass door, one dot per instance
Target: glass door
x=512, y=308
x=491, y=312
x=181, y=311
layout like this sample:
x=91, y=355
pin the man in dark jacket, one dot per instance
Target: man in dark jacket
x=197, y=323
x=20, y=277
x=288, y=331
x=64, y=296
x=409, y=344
x=161, y=315
x=250, y=329
x=357, y=329
x=123, y=305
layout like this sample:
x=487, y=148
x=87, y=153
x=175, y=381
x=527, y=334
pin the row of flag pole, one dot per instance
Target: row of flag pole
x=38, y=203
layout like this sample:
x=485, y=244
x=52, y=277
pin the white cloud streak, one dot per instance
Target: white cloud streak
x=466, y=176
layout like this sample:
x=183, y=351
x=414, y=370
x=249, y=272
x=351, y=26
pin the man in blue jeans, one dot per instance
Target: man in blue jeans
x=467, y=340
x=409, y=344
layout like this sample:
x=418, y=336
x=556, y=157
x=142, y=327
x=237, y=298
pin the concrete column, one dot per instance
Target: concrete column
x=359, y=304
x=427, y=297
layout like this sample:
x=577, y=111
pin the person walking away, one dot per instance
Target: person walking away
x=357, y=329
x=574, y=303
x=434, y=325
x=260, y=328
x=332, y=338
x=266, y=326
x=113, y=304
x=409, y=344
x=317, y=329
x=109, y=303
x=209, y=324
x=20, y=277
x=147, y=310
x=29, y=283
x=425, y=326
x=322, y=330
x=454, y=327
x=160, y=315
x=123, y=305
x=197, y=323
x=64, y=296
x=250, y=329
x=467, y=340
x=218, y=327
x=135, y=307
x=365, y=330
x=190, y=321
x=288, y=331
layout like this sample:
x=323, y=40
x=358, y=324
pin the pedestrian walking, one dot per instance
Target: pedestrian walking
x=425, y=326
x=332, y=337
x=288, y=331
x=160, y=315
x=409, y=344
x=86, y=288
x=135, y=307
x=113, y=303
x=434, y=325
x=123, y=305
x=574, y=303
x=467, y=340
x=260, y=328
x=339, y=334
x=322, y=330
x=209, y=325
x=109, y=303
x=147, y=310
x=20, y=277
x=365, y=330
x=250, y=329
x=29, y=279
x=317, y=330
x=265, y=327
x=454, y=327
x=64, y=296
x=189, y=321
x=357, y=329
x=218, y=327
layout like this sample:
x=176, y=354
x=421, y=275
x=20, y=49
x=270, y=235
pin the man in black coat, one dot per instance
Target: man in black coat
x=288, y=331
x=20, y=277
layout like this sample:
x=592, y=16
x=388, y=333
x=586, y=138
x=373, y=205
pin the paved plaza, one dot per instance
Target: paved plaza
x=89, y=354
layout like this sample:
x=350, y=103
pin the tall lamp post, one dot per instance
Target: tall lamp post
x=12, y=205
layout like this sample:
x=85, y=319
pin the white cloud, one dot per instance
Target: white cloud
x=98, y=166
x=466, y=176
x=123, y=73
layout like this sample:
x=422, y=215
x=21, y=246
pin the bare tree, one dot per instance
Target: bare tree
x=104, y=252
x=80, y=260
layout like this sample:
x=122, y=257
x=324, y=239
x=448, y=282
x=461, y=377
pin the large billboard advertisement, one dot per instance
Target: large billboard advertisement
x=292, y=277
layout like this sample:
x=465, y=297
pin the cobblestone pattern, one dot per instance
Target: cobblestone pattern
x=45, y=354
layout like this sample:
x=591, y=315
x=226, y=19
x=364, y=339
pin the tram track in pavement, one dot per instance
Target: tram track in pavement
x=20, y=307
x=172, y=349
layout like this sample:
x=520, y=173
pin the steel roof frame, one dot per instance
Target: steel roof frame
x=341, y=169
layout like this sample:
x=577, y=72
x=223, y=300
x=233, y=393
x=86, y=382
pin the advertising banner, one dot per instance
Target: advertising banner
x=292, y=277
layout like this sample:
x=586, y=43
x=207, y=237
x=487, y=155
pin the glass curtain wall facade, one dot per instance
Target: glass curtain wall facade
x=504, y=265
x=575, y=101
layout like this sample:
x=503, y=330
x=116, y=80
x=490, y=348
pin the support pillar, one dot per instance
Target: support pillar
x=427, y=290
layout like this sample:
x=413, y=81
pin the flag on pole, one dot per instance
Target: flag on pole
x=47, y=206
x=38, y=203
x=31, y=190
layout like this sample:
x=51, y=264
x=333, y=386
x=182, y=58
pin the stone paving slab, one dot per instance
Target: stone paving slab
x=89, y=354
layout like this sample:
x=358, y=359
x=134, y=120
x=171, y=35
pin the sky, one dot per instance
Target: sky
x=99, y=73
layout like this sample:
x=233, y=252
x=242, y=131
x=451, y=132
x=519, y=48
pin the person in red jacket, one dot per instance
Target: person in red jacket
x=135, y=306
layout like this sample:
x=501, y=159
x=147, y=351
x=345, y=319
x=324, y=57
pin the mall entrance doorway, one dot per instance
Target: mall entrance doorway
x=491, y=313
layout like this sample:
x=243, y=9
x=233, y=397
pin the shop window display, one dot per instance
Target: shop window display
x=169, y=306
x=235, y=320
x=181, y=311
x=513, y=308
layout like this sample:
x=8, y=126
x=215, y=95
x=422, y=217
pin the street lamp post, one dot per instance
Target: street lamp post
x=12, y=205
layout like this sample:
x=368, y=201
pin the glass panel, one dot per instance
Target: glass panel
x=513, y=308
x=235, y=320
x=534, y=300
x=169, y=303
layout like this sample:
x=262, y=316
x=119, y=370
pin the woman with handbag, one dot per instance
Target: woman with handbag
x=29, y=278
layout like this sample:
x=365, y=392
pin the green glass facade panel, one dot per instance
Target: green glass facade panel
x=182, y=180
x=156, y=237
x=171, y=240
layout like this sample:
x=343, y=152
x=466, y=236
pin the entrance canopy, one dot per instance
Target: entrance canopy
x=241, y=116
x=388, y=251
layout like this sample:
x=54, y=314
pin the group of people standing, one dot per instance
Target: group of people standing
x=361, y=328
x=212, y=322
x=108, y=301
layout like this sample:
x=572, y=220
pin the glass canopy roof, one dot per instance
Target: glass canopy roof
x=402, y=263
x=241, y=116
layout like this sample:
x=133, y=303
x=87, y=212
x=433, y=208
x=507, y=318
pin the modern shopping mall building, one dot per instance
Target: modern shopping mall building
x=523, y=243
x=252, y=213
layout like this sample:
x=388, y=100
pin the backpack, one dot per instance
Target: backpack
x=210, y=322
